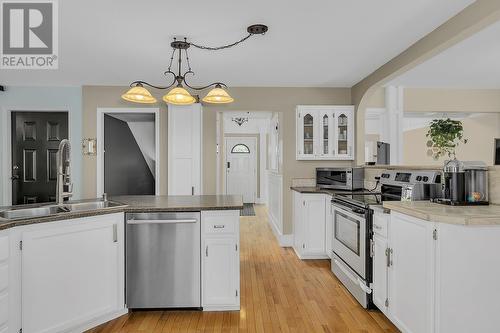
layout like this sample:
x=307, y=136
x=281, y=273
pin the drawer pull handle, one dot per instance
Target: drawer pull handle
x=377, y=227
x=219, y=226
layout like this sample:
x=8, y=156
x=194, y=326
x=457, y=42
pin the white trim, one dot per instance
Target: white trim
x=256, y=167
x=6, y=167
x=100, y=145
x=99, y=320
x=284, y=240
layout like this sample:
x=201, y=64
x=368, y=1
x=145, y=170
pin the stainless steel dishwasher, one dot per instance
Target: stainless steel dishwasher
x=163, y=261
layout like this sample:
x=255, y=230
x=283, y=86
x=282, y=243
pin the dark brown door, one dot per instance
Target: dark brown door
x=35, y=140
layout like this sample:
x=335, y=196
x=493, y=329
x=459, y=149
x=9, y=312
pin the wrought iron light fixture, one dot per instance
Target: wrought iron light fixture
x=179, y=95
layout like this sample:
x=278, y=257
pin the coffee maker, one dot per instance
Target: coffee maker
x=465, y=183
x=476, y=182
x=454, y=182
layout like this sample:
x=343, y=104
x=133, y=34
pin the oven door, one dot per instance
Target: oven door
x=340, y=179
x=349, y=237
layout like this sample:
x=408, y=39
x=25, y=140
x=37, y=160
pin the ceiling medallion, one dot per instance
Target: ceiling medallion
x=239, y=120
x=179, y=95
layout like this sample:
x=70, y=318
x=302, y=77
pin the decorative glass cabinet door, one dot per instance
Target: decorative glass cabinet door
x=308, y=134
x=325, y=141
x=343, y=134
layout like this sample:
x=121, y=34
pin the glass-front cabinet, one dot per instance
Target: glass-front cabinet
x=325, y=132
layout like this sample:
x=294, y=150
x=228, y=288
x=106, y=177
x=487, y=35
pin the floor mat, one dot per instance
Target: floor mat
x=247, y=210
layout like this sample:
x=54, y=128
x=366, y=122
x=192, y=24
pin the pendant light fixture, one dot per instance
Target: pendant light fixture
x=180, y=95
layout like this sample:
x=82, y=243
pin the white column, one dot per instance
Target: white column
x=394, y=133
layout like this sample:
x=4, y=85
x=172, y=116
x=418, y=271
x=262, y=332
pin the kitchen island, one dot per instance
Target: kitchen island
x=439, y=270
x=66, y=271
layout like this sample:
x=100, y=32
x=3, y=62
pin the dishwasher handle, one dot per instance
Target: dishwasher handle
x=153, y=221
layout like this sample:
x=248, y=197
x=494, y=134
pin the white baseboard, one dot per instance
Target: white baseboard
x=221, y=308
x=99, y=321
x=283, y=240
x=309, y=256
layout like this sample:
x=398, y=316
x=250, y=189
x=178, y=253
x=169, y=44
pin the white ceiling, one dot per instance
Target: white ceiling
x=473, y=63
x=332, y=43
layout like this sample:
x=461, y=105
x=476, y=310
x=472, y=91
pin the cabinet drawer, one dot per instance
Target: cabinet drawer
x=220, y=224
x=380, y=224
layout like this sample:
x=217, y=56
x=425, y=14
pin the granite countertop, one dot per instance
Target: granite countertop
x=134, y=204
x=459, y=215
x=314, y=189
x=170, y=203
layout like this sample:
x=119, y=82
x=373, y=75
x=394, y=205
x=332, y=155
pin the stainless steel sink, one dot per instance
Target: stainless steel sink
x=92, y=205
x=26, y=213
x=17, y=213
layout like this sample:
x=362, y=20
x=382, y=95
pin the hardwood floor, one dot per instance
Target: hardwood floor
x=279, y=293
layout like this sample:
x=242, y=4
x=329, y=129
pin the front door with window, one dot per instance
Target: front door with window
x=241, y=168
x=35, y=138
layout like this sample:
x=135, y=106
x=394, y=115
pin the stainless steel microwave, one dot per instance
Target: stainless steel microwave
x=340, y=178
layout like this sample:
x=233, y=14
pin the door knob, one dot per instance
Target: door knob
x=15, y=176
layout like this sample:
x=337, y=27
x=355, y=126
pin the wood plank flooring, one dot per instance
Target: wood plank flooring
x=279, y=293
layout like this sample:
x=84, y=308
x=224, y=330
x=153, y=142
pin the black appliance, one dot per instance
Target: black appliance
x=383, y=153
x=465, y=183
x=340, y=178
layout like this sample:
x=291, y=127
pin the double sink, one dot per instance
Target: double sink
x=16, y=213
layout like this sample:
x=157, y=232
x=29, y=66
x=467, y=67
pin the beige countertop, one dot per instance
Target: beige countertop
x=460, y=215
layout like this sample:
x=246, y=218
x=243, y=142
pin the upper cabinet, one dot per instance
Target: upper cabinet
x=325, y=132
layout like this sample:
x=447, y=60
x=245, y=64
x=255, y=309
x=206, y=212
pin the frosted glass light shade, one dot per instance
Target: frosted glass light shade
x=218, y=96
x=179, y=96
x=139, y=94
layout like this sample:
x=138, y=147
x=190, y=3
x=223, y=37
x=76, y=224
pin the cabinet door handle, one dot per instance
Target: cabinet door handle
x=115, y=233
x=219, y=226
x=206, y=251
x=192, y=190
x=388, y=253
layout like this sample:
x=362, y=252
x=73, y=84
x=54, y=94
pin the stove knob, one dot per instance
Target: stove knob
x=419, y=178
x=425, y=179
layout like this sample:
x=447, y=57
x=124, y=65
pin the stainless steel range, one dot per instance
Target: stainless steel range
x=352, y=234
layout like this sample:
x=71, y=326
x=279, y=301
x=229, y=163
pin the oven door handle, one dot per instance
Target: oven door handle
x=353, y=278
x=348, y=212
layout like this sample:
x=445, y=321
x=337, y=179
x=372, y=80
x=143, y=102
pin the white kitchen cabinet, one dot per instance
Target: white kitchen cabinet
x=220, y=260
x=329, y=226
x=379, y=260
x=379, y=284
x=310, y=225
x=325, y=132
x=72, y=273
x=411, y=273
x=184, y=149
x=5, y=315
x=441, y=276
x=467, y=273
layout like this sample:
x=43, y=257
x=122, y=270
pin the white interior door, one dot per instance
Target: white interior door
x=241, y=167
x=184, y=149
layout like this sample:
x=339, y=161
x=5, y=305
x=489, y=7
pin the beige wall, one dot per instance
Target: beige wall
x=480, y=131
x=282, y=100
x=451, y=100
x=472, y=19
x=94, y=97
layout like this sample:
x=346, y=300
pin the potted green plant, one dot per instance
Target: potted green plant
x=444, y=137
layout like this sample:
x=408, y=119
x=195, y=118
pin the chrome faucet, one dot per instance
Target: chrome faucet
x=63, y=172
